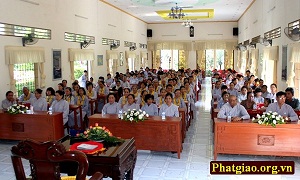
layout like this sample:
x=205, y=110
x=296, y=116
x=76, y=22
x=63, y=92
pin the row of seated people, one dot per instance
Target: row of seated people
x=62, y=100
x=254, y=95
x=259, y=91
x=238, y=112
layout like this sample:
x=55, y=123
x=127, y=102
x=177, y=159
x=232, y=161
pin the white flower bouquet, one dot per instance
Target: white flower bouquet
x=134, y=115
x=269, y=118
x=17, y=109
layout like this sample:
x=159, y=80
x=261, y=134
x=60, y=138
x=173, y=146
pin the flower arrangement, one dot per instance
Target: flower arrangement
x=269, y=118
x=98, y=133
x=134, y=115
x=17, y=109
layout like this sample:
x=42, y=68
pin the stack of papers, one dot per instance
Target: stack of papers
x=86, y=147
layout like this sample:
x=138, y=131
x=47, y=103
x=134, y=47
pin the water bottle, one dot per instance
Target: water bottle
x=103, y=113
x=50, y=110
x=31, y=109
x=120, y=115
x=229, y=118
x=163, y=115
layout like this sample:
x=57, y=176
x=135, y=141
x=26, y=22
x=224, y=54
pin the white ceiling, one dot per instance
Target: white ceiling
x=225, y=10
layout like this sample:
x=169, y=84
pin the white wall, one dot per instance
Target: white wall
x=264, y=16
x=59, y=16
x=203, y=31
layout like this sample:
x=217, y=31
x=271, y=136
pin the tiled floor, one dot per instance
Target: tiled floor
x=194, y=163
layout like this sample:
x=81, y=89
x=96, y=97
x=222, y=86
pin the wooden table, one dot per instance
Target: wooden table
x=251, y=112
x=182, y=114
x=39, y=126
x=153, y=134
x=245, y=137
x=117, y=162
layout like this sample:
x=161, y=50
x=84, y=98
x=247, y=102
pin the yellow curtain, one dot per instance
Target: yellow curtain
x=72, y=71
x=201, y=59
x=12, y=78
x=253, y=61
x=294, y=58
x=42, y=75
x=185, y=59
x=228, y=62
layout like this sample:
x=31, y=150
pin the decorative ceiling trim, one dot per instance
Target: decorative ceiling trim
x=103, y=1
x=191, y=14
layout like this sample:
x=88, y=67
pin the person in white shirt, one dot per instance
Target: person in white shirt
x=243, y=95
x=112, y=107
x=82, y=80
x=149, y=107
x=240, y=80
x=229, y=79
x=272, y=94
x=130, y=103
x=216, y=92
x=283, y=109
x=236, y=84
x=109, y=80
x=264, y=90
x=224, y=100
x=169, y=108
x=258, y=99
x=26, y=96
x=9, y=100
x=38, y=102
x=231, y=90
x=133, y=79
x=233, y=109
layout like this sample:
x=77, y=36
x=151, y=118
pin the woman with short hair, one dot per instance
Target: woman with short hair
x=61, y=105
x=130, y=103
x=38, y=102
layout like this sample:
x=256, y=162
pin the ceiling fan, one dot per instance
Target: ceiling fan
x=264, y=41
x=293, y=33
x=29, y=39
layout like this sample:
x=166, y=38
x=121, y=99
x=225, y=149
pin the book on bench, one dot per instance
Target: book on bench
x=86, y=147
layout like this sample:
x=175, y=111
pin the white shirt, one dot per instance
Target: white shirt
x=238, y=110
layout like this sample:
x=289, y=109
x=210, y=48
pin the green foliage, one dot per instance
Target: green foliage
x=78, y=73
x=20, y=85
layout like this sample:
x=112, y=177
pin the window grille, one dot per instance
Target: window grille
x=25, y=75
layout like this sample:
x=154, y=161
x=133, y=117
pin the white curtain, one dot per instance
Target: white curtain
x=269, y=53
x=129, y=54
x=144, y=58
x=294, y=58
x=253, y=63
x=12, y=78
x=19, y=55
x=42, y=75
x=243, y=64
x=113, y=56
x=169, y=45
x=186, y=54
x=80, y=55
